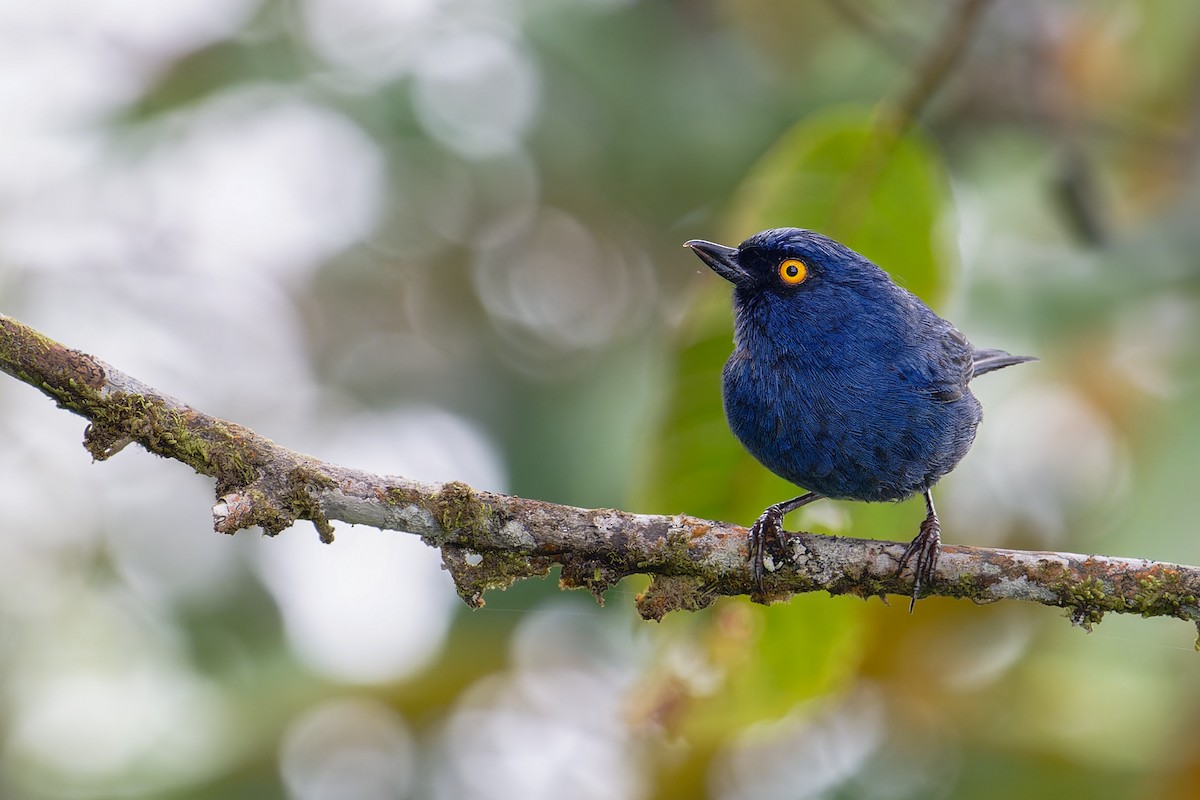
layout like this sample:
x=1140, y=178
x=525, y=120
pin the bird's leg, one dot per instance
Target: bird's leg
x=769, y=528
x=923, y=550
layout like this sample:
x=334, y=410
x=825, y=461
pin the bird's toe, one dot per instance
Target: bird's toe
x=922, y=552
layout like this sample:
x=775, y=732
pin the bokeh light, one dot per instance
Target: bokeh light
x=351, y=748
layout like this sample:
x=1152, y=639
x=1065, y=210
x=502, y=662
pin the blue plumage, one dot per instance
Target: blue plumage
x=841, y=381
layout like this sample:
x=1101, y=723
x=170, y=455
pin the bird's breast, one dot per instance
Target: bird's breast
x=844, y=427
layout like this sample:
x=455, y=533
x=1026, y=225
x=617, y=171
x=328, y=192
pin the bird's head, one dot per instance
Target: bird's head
x=787, y=262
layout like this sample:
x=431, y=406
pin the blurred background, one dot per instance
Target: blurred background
x=441, y=238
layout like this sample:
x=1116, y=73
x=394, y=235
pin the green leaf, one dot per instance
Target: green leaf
x=837, y=173
x=786, y=653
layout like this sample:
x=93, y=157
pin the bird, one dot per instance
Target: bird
x=843, y=383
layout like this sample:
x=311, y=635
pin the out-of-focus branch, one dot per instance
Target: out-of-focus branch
x=489, y=540
x=933, y=69
x=852, y=201
x=892, y=42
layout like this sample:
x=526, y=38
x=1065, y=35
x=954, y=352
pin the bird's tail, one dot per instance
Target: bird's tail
x=987, y=360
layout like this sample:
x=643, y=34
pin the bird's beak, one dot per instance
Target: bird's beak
x=723, y=260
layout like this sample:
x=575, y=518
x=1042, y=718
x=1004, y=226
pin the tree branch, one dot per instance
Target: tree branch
x=489, y=540
x=950, y=44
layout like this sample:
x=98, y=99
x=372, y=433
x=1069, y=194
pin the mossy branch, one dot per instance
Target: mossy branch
x=489, y=540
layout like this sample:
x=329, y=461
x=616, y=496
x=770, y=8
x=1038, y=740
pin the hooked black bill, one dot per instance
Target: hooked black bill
x=721, y=259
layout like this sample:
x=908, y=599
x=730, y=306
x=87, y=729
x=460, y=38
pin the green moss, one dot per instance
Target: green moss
x=464, y=516
x=268, y=516
x=874, y=587
x=211, y=447
x=457, y=507
x=300, y=503
x=968, y=586
x=589, y=574
x=863, y=585
x=1163, y=593
x=492, y=570
x=668, y=593
x=1087, y=601
x=23, y=346
x=679, y=549
x=1158, y=594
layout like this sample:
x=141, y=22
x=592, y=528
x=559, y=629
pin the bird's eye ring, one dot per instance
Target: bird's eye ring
x=792, y=271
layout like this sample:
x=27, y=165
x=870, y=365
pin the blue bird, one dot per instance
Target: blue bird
x=842, y=382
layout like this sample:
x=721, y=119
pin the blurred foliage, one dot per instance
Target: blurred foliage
x=841, y=173
x=451, y=230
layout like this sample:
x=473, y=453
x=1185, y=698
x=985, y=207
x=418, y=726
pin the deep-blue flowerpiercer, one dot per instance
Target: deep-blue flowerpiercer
x=843, y=382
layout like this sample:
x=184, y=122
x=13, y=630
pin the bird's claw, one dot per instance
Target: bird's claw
x=923, y=552
x=767, y=530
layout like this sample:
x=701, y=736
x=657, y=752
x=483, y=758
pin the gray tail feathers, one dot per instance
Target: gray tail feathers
x=986, y=360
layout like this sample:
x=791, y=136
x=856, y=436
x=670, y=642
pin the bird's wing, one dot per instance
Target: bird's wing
x=951, y=365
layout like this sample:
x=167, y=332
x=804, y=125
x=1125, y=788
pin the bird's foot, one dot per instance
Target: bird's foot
x=923, y=552
x=767, y=532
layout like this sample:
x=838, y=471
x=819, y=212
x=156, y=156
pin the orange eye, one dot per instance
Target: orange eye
x=793, y=271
